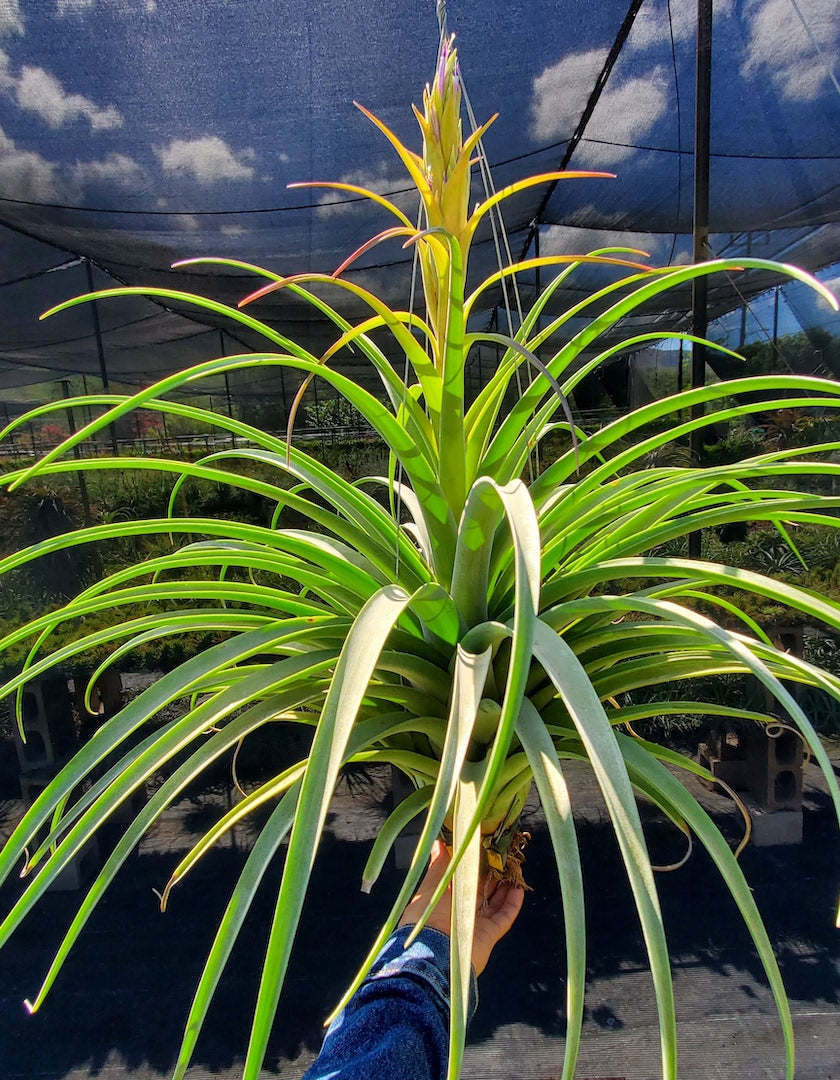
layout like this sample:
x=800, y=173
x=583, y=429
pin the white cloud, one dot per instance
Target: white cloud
x=625, y=114
x=682, y=257
x=390, y=285
x=651, y=26
x=580, y=240
x=232, y=230
x=41, y=93
x=573, y=240
x=780, y=46
x=569, y=240
x=561, y=92
x=11, y=23
x=380, y=180
x=7, y=80
x=25, y=174
x=626, y=111
x=207, y=159
x=113, y=168
x=11, y=19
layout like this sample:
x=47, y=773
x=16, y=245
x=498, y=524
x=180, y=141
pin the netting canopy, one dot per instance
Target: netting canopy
x=135, y=133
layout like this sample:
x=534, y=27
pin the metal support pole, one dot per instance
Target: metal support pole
x=85, y=392
x=317, y=402
x=229, y=408
x=283, y=398
x=535, y=225
x=8, y=420
x=71, y=424
x=227, y=388
x=742, y=336
x=680, y=367
x=100, y=349
x=702, y=139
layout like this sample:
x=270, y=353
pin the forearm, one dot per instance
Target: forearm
x=397, y=1023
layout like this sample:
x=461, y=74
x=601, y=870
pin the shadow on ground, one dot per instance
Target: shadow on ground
x=128, y=984
x=795, y=889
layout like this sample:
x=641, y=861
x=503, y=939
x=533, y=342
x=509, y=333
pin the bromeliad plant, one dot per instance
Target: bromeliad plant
x=451, y=619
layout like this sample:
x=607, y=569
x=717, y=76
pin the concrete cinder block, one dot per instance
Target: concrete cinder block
x=732, y=771
x=776, y=753
x=106, y=697
x=47, y=714
x=79, y=871
x=775, y=768
x=774, y=827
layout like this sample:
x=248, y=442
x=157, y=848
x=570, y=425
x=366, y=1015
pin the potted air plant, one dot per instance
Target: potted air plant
x=451, y=619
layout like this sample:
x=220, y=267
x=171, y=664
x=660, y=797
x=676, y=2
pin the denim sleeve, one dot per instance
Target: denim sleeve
x=397, y=1022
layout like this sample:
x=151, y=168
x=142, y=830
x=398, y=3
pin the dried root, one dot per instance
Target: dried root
x=506, y=865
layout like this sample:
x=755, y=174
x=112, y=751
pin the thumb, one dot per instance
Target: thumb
x=438, y=865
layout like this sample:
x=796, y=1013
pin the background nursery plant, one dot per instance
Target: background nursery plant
x=451, y=619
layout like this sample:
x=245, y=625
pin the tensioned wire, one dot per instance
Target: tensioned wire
x=504, y=256
x=572, y=145
x=496, y=217
x=674, y=68
x=817, y=47
x=509, y=284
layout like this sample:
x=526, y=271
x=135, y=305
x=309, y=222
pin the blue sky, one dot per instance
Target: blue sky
x=218, y=104
x=196, y=112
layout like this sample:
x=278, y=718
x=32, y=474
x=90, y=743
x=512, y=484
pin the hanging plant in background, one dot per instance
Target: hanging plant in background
x=452, y=619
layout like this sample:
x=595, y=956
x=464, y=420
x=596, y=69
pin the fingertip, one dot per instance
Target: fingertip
x=438, y=860
x=438, y=851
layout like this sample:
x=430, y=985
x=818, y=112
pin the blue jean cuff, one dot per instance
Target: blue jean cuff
x=426, y=959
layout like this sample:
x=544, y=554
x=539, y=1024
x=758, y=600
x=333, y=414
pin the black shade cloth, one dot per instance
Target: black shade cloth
x=137, y=132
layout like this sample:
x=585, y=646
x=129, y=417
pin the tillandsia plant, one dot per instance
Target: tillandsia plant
x=450, y=619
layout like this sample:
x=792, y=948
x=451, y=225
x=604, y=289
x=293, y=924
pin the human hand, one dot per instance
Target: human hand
x=497, y=905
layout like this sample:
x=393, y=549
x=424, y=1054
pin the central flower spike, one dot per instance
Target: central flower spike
x=446, y=161
x=446, y=169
